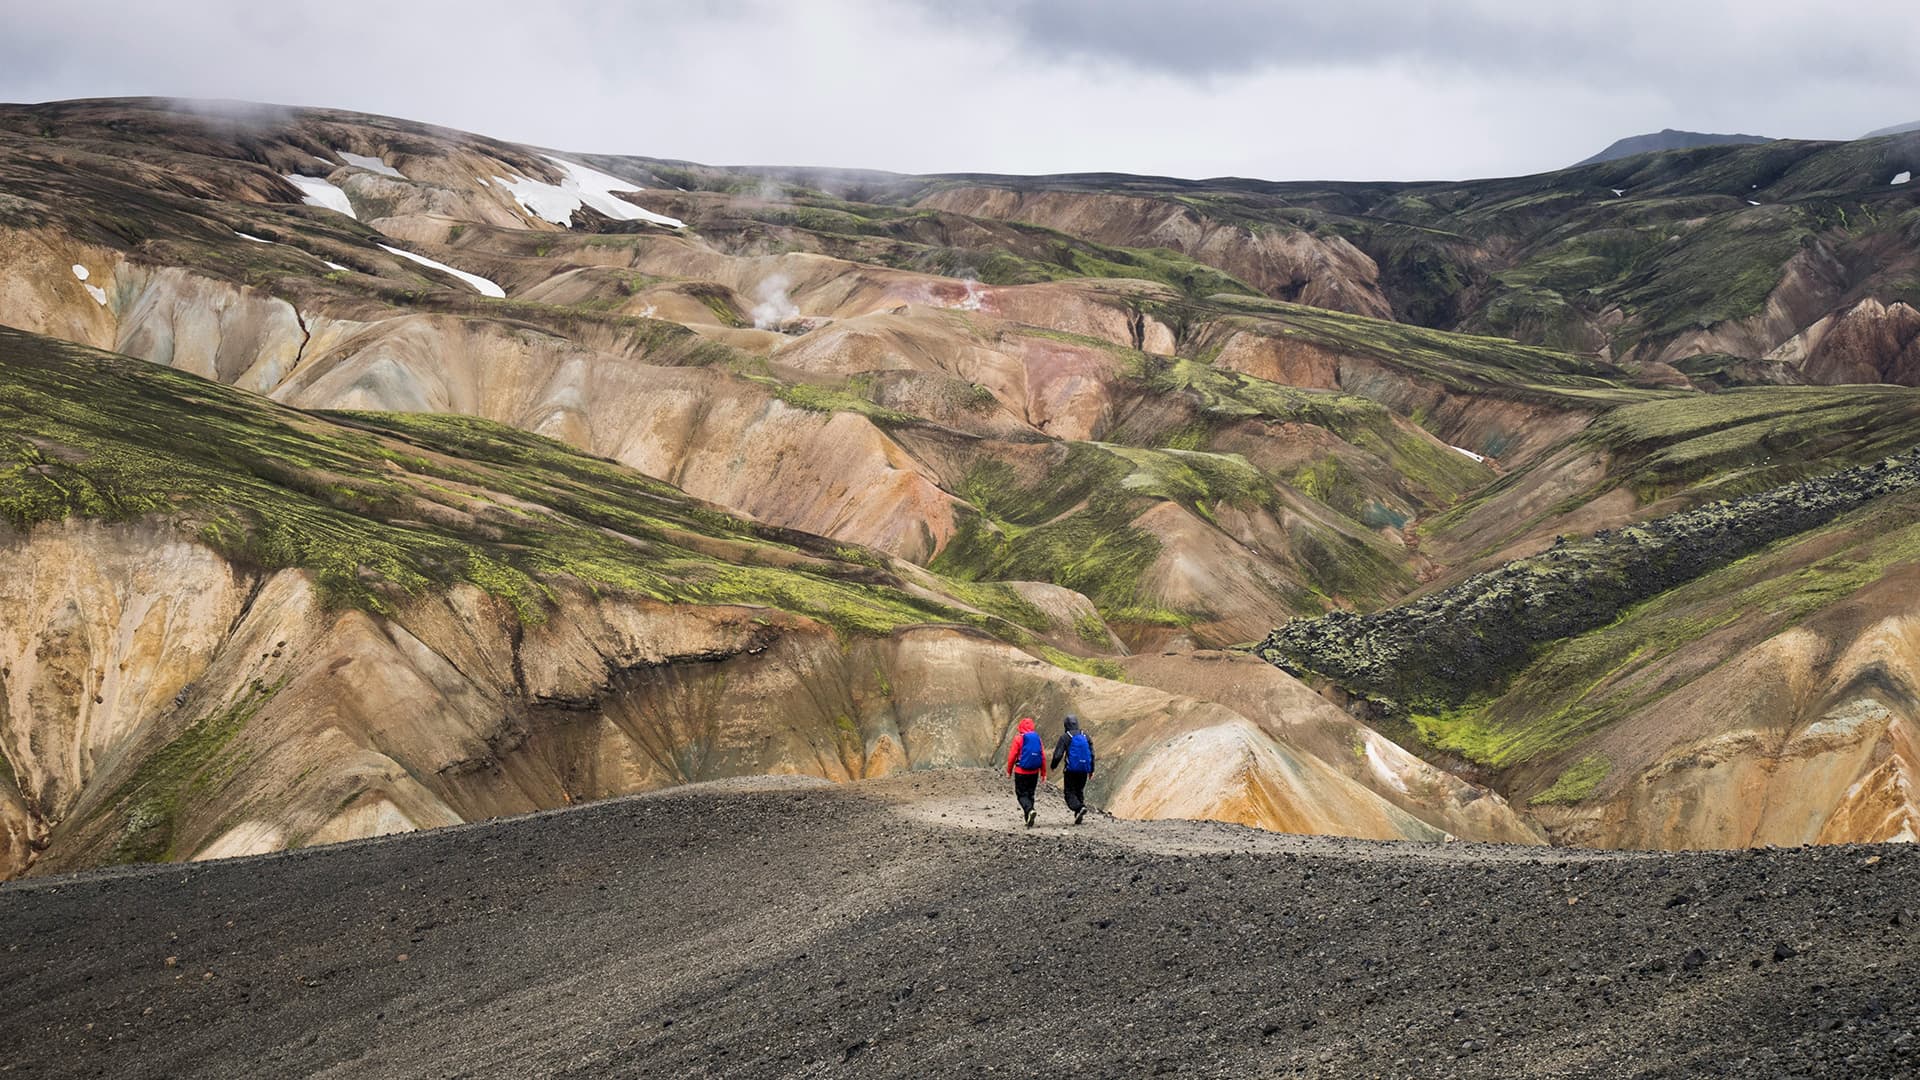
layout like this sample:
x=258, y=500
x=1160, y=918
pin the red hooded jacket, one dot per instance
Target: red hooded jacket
x=1013, y=752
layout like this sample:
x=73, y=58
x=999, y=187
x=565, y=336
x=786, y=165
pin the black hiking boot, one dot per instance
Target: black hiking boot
x=1032, y=815
x=1080, y=815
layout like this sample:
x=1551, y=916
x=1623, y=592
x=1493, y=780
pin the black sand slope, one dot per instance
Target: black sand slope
x=908, y=928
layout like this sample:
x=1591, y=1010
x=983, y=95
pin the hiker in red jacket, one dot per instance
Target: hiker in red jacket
x=1027, y=764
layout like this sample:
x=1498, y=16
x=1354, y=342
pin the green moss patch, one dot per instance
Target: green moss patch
x=1575, y=782
x=1075, y=526
x=187, y=769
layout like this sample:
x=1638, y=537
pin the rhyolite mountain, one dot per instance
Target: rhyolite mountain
x=366, y=476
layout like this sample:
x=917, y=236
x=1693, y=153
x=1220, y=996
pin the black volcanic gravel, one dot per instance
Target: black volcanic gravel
x=818, y=931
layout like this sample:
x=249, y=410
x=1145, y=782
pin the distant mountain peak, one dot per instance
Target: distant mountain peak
x=1896, y=129
x=1668, y=139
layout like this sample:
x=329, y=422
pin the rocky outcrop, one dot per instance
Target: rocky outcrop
x=1816, y=327
x=1870, y=342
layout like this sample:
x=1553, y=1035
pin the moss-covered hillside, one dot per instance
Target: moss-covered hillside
x=1527, y=669
x=379, y=507
x=1445, y=648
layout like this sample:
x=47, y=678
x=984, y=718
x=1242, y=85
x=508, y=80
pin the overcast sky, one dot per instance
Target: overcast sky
x=1353, y=89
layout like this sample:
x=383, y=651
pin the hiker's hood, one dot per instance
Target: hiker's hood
x=1073, y=722
x=1026, y=724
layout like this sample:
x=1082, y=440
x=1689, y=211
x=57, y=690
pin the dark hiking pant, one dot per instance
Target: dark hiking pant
x=1075, y=784
x=1023, y=788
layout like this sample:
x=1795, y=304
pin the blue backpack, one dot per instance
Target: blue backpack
x=1079, y=753
x=1031, y=754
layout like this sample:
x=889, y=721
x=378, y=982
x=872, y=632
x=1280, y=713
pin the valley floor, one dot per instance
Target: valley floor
x=910, y=927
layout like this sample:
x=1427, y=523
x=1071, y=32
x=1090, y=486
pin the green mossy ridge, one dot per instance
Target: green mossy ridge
x=1411, y=466
x=382, y=507
x=1423, y=470
x=1000, y=600
x=1720, y=270
x=1190, y=277
x=1090, y=629
x=188, y=769
x=1700, y=447
x=662, y=343
x=1574, y=783
x=1096, y=666
x=1586, y=683
x=950, y=244
x=1075, y=527
x=1746, y=440
x=1194, y=478
x=1097, y=553
x=825, y=399
x=1426, y=273
x=1534, y=315
x=1459, y=361
x=1435, y=655
x=1335, y=566
x=1220, y=394
x=1339, y=570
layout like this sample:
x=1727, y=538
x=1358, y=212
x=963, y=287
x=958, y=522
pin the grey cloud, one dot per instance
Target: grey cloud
x=1696, y=39
x=1363, y=89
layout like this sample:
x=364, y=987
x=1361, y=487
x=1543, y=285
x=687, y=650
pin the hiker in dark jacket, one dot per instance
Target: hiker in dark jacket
x=1027, y=764
x=1075, y=751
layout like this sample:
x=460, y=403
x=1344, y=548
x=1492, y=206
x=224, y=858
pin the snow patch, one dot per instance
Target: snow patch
x=483, y=181
x=82, y=274
x=480, y=284
x=579, y=186
x=1904, y=176
x=319, y=192
x=1750, y=202
x=1469, y=453
x=276, y=243
x=1617, y=192
x=372, y=165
